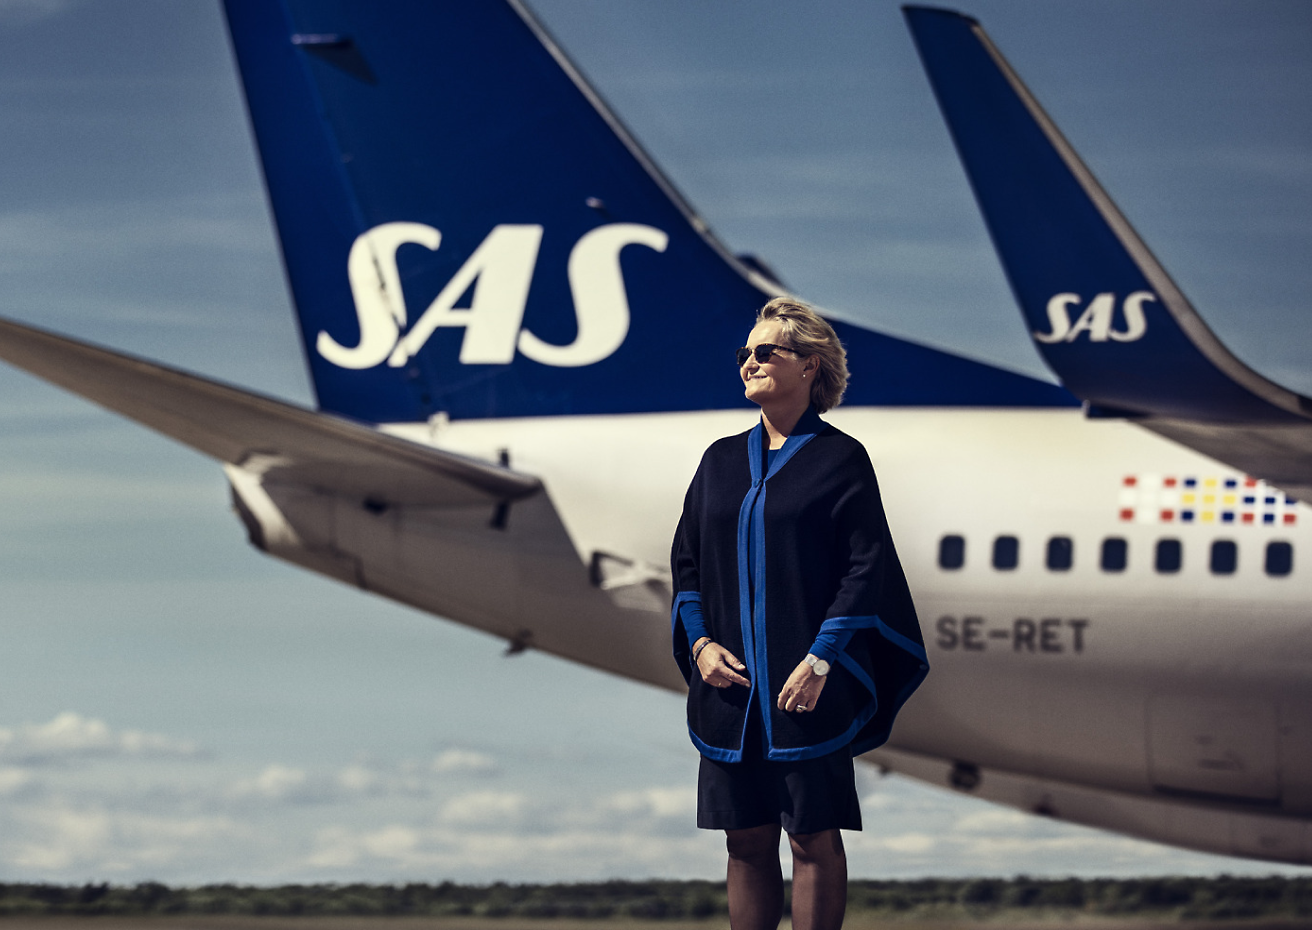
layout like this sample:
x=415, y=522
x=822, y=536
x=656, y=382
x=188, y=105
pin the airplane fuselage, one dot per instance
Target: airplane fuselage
x=1049, y=659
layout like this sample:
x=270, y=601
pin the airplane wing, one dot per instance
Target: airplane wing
x=281, y=442
x=1105, y=315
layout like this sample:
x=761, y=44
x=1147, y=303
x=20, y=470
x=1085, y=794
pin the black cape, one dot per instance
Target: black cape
x=772, y=560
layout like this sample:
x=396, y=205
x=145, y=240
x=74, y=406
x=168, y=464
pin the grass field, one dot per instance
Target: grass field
x=931, y=903
x=857, y=921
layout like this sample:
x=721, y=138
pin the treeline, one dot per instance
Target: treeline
x=1185, y=898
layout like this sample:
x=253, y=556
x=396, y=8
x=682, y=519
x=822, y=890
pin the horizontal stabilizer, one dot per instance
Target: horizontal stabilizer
x=1102, y=311
x=281, y=442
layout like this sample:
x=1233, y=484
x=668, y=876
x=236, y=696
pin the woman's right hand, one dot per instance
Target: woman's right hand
x=720, y=667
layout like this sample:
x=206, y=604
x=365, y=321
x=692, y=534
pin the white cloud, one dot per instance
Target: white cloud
x=994, y=820
x=87, y=840
x=13, y=780
x=484, y=808
x=487, y=854
x=909, y=843
x=276, y=782
x=463, y=760
x=71, y=736
x=357, y=781
x=144, y=817
x=394, y=842
x=654, y=802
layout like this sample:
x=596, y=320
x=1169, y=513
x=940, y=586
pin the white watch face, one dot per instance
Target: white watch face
x=819, y=666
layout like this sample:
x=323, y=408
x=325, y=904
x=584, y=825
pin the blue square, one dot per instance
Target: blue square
x=1186, y=516
x=1231, y=483
x=1228, y=517
x=1191, y=482
x=1268, y=518
x=1270, y=501
x=1250, y=501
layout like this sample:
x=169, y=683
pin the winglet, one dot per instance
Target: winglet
x=1104, y=314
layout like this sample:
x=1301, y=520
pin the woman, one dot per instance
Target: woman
x=792, y=625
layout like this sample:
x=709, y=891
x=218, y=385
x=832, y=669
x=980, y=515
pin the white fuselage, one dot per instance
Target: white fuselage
x=1189, y=684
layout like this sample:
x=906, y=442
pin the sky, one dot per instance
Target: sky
x=175, y=706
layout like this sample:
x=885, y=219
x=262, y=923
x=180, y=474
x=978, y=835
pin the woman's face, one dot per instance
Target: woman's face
x=782, y=379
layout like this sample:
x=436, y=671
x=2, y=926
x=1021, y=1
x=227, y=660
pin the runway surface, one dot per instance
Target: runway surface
x=855, y=922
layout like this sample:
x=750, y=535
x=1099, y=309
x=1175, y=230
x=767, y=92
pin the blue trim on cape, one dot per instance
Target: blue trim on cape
x=846, y=737
x=875, y=623
x=745, y=593
x=897, y=639
x=751, y=568
x=849, y=623
x=717, y=753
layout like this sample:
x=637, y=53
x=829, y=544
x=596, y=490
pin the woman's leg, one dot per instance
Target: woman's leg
x=756, y=881
x=819, y=880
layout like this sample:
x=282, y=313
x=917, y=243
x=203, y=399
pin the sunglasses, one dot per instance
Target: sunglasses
x=762, y=353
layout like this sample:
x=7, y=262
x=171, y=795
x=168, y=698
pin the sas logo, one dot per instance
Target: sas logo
x=1097, y=318
x=500, y=271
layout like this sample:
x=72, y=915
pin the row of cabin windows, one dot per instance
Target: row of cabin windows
x=1168, y=555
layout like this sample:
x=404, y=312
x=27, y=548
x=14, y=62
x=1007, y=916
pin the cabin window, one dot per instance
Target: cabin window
x=1061, y=553
x=1168, y=557
x=1225, y=557
x=951, y=552
x=1006, y=553
x=1279, y=559
x=1114, y=552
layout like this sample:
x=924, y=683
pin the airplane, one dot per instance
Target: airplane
x=473, y=306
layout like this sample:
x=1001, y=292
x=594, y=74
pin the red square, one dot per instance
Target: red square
x=1169, y=482
x=1250, y=482
x=1248, y=518
x=1289, y=518
x=1130, y=481
x=1127, y=513
x=1168, y=515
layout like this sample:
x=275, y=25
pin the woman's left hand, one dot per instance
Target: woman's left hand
x=802, y=689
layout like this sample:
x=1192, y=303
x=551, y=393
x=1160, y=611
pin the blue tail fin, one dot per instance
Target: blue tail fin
x=467, y=229
x=1106, y=316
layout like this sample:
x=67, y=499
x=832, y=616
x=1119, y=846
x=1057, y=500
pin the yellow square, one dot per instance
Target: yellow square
x=1186, y=498
x=1208, y=516
x=1210, y=483
x=1228, y=499
x=1209, y=498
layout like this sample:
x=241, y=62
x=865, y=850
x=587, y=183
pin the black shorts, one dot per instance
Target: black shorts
x=802, y=796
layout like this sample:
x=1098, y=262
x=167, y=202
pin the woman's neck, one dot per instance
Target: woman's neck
x=780, y=420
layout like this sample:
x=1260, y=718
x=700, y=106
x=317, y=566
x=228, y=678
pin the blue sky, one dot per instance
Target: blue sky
x=175, y=706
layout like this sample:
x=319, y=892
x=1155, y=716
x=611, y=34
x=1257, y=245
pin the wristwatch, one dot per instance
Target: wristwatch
x=819, y=666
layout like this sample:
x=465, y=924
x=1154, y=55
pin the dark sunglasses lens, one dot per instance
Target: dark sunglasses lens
x=743, y=355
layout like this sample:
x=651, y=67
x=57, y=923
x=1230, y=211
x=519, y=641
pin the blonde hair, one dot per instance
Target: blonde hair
x=810, y=334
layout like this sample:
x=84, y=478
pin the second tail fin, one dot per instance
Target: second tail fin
x=1103, y=312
